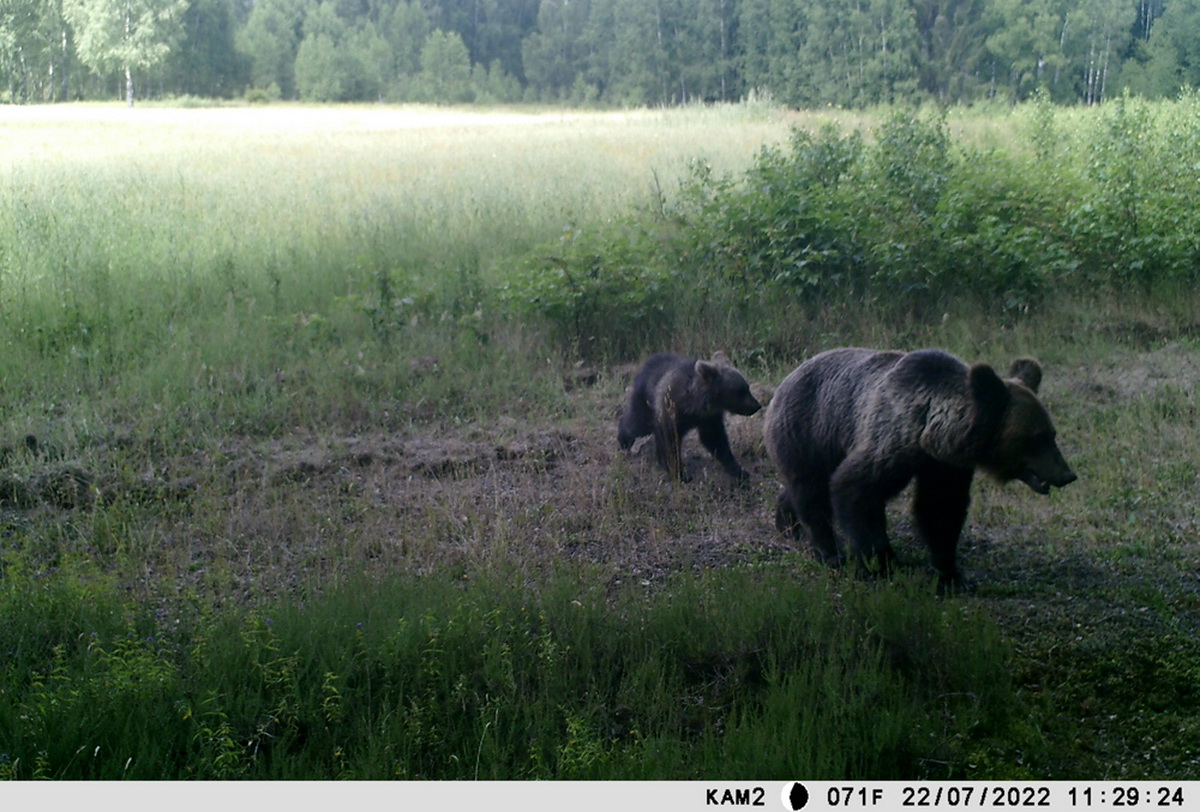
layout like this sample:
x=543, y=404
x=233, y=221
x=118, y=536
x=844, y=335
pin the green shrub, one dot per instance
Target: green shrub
x=1135, y=228
x=602, y=293
x=784, y=225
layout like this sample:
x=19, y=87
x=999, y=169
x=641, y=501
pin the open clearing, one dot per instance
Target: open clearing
x=1097, y=588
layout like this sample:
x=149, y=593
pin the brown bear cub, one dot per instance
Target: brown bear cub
x=671, y=395
x=850, y=428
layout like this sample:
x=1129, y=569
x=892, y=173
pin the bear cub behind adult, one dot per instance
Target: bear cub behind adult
x=672, y=394
x=850, y=428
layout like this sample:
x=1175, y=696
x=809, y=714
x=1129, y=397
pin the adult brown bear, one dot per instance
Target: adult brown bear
x=850, y=428
x=671, y=395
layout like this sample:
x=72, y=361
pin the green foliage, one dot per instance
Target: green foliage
x=125, y=34
x=897, y=219
x=445, y=69
x=426, y=678
x=269, y=40
x=803, y=53
x=913, y=161
x=785, y=227
x=320, y=71
x=603, y=293
x=1132, y=227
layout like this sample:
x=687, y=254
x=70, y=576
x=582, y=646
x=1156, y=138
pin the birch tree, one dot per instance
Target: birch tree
x=125, y=35
x=1101, y=31
x=1026, y=45
x=17, y=19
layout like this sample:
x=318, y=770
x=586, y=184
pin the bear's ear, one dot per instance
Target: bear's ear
x=1028, y=371
x=708, y=372
x=719, y=357
x=990, y=393
x=991, y=396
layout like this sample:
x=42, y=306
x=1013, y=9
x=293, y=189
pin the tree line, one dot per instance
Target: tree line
x=802, y=53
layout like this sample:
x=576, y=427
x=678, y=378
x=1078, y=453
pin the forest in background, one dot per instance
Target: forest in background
x=802, y=53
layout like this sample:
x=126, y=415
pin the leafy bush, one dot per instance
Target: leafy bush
x=899, y=222
x=1135, y=229
x=1000, y=228
x=833, y=218
x=784, y=224
x=602, y=293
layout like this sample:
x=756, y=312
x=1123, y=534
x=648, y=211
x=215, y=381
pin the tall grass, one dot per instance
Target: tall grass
x=730, y=674
x=282, y=268
x=223, y=264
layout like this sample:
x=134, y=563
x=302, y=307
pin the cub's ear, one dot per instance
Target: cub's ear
x=1028, y=371
x=719, y=357
x=708, y=371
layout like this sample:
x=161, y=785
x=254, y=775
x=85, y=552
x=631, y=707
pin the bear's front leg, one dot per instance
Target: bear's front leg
x=940, y=504
x=803, y=510
x=714, y=438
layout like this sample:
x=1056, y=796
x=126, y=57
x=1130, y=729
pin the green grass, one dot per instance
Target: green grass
x=746, y=672
x=326, y=483
x=222, y=264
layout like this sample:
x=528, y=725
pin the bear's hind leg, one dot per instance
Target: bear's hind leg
x=636, y=421
x=668, y=443
x=814, y=513
x=940, y=504
x=860, y=495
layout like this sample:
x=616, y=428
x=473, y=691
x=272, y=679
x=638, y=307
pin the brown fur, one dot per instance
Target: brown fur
x=850, y=428
x=671, y=395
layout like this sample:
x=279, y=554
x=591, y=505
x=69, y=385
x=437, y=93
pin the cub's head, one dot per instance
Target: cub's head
x=1023, y=446
x=726, y=388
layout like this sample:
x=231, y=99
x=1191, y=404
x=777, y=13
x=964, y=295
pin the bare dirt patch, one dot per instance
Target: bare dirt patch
x=470, y=496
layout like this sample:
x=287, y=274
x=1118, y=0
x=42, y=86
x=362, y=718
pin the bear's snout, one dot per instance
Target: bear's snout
x=747, y=406
x=1056, y=476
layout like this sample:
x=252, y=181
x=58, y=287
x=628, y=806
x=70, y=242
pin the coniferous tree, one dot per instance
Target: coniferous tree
x=1025, y=48
x=549, y=52
x=270, y=40
x=207, y=62
x=951, y=55
x=445, y=69
x=405, y=28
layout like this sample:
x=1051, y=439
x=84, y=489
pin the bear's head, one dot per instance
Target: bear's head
x=727, y=390
x=1022, y=444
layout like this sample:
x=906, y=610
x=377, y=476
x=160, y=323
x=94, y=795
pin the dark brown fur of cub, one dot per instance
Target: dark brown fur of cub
x=672, y=394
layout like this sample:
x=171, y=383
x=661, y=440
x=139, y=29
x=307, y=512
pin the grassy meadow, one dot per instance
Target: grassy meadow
x=308, y=463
